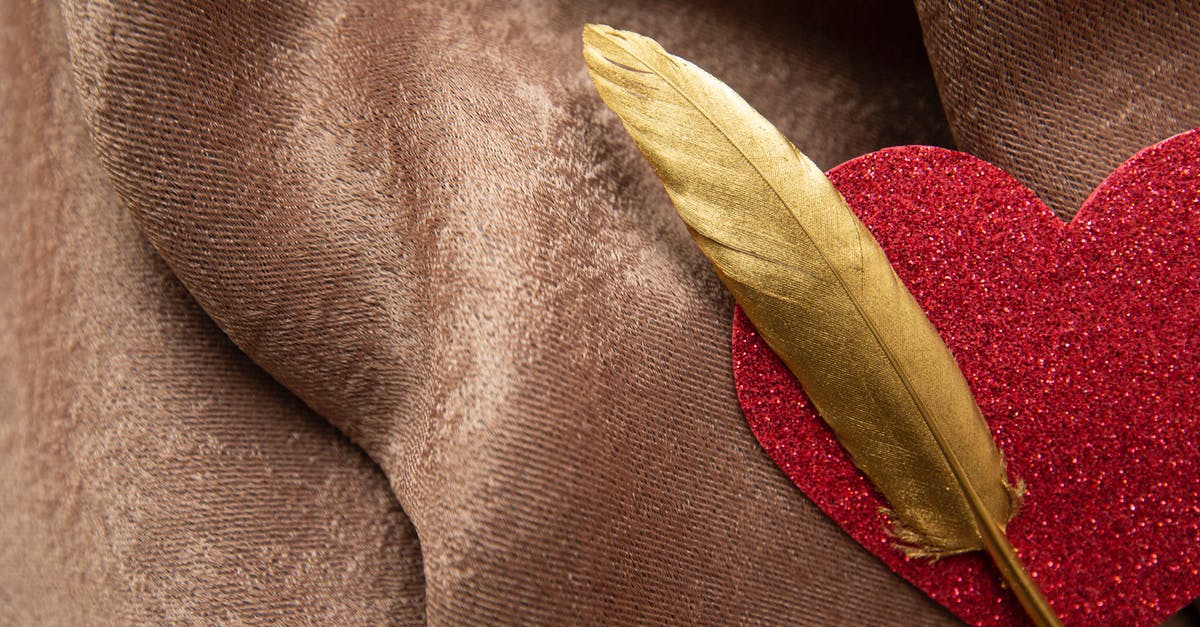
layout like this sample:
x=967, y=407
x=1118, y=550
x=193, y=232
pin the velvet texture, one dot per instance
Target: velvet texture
x=149, y=471
x=1059, y=94
x=475, y=318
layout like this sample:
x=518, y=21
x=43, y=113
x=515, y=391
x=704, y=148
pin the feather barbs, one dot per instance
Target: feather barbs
x=821, y=293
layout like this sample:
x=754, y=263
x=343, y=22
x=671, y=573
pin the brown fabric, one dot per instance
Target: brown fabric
x=422, y=220
x=1061, y=93
x=149, y=472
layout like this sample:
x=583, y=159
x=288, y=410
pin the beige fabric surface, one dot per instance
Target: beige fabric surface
x=475, y=317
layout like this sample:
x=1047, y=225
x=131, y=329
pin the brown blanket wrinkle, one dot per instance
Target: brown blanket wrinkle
x=420, y=219
x=1061, y=93
x=149, y=472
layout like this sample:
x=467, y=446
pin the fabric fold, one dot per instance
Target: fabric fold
x=1060, y=94
x=421, y=220
x=149, y=471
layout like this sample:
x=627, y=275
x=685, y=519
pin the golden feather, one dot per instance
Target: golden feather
x=823, y=295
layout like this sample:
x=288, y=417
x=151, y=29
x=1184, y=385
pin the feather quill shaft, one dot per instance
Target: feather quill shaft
x=822, y=293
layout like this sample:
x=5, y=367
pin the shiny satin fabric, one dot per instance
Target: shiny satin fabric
x=478, y=322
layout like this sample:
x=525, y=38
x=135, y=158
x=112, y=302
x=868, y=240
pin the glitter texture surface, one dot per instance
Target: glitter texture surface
x=1081, y=342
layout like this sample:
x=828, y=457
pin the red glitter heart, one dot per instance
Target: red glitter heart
x=1081, y=342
